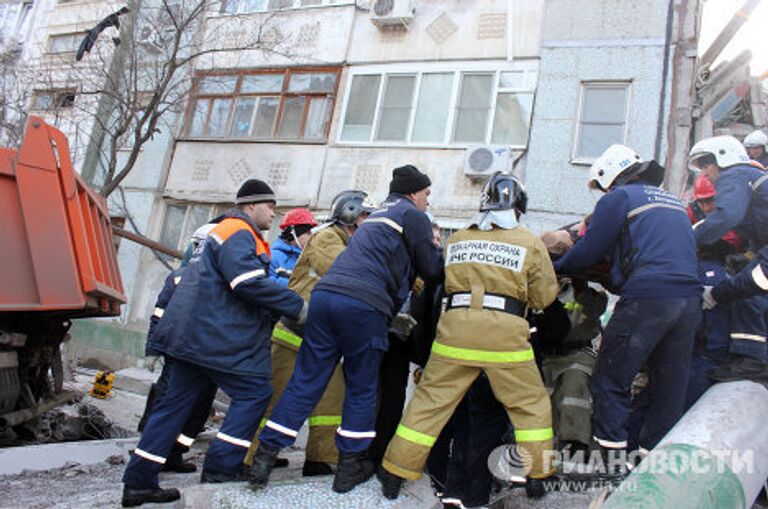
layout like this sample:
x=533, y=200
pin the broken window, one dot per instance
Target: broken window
x=602, y=118
x=288, y=105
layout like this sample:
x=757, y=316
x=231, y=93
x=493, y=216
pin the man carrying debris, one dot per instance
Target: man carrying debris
x=494, y=270
x=217, y=324
x=648, y=236
x=741, y=205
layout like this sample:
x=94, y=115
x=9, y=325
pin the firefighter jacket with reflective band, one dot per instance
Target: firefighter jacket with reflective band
x=315, y=260
x=741, y=204
x=753, y=280
x=481, y=269
x=283, y=260
x=154, y=346
x=384, y=256
x=222, y=313
x=647, y=234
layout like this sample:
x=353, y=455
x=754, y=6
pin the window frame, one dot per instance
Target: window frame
x=56, y=94
x=51, y=37
x=457, y=70
x=295, y=6
x=583, y=85
x=213, y=209
x=282, y=96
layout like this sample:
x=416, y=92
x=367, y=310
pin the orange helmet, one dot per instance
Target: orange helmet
x=703, y=189
x=296, y=217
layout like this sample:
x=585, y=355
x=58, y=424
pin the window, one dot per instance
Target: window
x=602, y=118
x=243, y=6
x=439, y=108
x=65, y=43
x=14, y=19
x=182, y=219
x=285, y=105
x=53, y=99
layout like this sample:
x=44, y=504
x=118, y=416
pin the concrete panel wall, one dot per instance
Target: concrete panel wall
x=590, y=40
x=454, y=196
x=453, y=29
x=213, y=172
x=604, y=19
x=294, y=37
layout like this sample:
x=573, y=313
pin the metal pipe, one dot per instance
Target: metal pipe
x=21, y=416
x=144, y=241
x=715, y=456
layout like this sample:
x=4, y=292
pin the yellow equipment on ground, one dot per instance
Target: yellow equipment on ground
x=102, y=384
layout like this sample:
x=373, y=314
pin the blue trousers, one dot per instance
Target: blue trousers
x=337, y=327
x=656, y=332
x=749, y=327
x=187, y=386
x=197, y=419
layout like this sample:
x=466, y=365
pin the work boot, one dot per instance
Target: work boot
x=537, y=488
x=740, y=367
x=353, y=469
x=390, y=484
x=212, y=477
x=176, y=463
x=263, y=462
x=133, y=497
x=316, y=468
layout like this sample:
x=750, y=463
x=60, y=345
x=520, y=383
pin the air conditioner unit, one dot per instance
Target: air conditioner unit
x=392, y=14
x=484, y=160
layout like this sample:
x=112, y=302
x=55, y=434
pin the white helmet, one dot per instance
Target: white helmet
x=756, y=139
x=726, y=150
x=613, y=162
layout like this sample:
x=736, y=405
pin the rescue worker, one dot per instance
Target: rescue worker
x=755, y=143
x=201, y=409
x=155, y=348
x=646, y=231
x=295, y=230
x=217, y=327
x=396, y=362
x=741, y=205
x=351, y=309
x=494, y=270
x=348, y=210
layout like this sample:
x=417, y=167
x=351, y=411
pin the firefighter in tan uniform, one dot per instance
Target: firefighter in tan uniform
x=348, y=210
x=494, y=270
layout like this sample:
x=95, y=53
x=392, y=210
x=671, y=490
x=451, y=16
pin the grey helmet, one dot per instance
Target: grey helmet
x=347, y=206
x=503, y=192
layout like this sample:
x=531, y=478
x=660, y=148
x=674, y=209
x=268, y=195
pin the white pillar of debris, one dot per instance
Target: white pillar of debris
x=715, y=456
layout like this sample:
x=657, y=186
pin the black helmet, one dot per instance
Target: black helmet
x=503, y=192
x=348, y=205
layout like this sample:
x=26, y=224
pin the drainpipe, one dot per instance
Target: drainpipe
x=716, y=456
x=664, y=77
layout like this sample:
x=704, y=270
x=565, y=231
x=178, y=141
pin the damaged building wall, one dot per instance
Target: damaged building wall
x=601, y=75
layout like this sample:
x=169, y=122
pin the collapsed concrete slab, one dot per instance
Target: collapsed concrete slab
x=14, y=460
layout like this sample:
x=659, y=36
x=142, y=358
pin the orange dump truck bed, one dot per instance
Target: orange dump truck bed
x=57, y=249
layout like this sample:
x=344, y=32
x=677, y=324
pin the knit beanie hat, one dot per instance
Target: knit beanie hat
x=255, y=191
x=408, y=179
